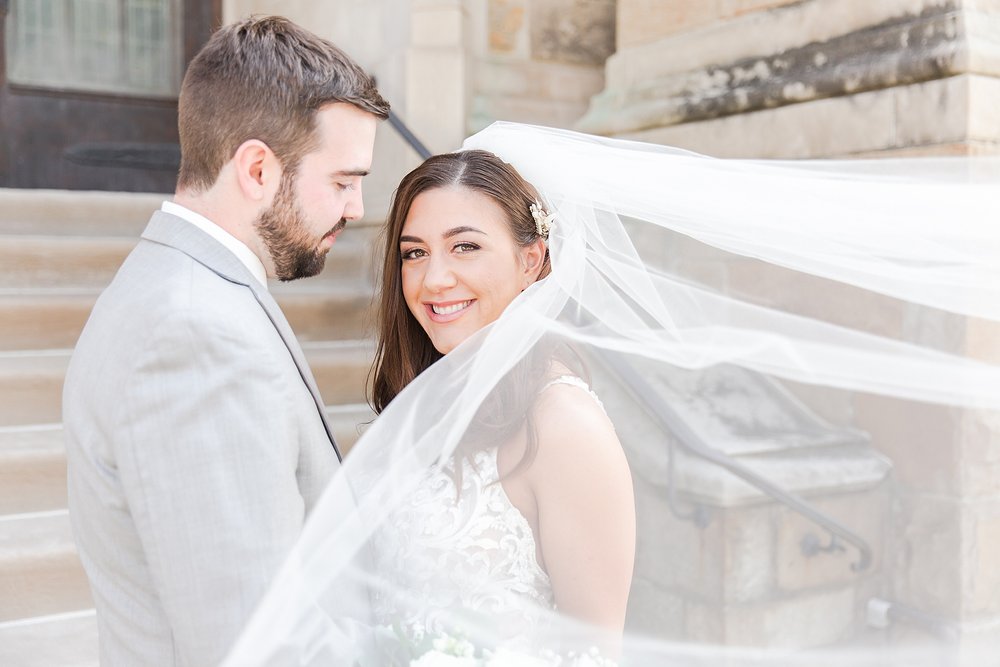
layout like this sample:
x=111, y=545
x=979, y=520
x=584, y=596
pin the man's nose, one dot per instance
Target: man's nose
x=355, y=208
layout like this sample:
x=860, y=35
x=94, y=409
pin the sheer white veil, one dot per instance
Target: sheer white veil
x=801, y=362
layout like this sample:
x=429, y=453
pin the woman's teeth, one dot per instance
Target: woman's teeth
x=448, y=310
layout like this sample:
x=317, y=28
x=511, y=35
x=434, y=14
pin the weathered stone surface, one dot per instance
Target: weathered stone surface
x=867, y=514
x=506, y=26
x=898, y=52
x=674, y=553
x=573, y=31
x=920, y=439
x=794, y=623
x=802, y=622
x=864, y=124
x=980, y=456
x=641, y=21
x=927, y=568
x=654, y=611
x=981, y=594
x=749, y=564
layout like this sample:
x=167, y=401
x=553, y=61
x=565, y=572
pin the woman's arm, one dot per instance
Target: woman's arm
x=586, y=507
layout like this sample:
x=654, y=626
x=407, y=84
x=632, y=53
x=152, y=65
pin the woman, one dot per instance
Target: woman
x=815, y=328
x=465, y=236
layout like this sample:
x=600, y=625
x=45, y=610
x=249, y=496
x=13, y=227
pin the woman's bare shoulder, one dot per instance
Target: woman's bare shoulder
x=571, y=422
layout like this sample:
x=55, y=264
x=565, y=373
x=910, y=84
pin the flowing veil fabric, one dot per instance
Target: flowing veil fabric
x=801, y=362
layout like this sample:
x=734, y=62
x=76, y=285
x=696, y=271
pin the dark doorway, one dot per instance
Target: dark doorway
x=88, y=90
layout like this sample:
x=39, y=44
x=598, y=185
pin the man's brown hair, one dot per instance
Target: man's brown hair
x=263, y=78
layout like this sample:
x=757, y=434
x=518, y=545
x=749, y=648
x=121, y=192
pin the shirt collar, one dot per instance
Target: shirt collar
x=233, y=244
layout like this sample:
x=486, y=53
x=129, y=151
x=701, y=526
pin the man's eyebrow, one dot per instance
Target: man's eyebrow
x=454, y=231
x=351, y=172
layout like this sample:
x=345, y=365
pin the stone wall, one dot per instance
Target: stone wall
x=537, y=61
x=754, y=78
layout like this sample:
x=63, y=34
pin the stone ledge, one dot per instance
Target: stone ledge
x=897, y=52
x=933, y=113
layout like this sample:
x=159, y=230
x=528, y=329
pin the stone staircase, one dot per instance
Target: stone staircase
x=57, y=252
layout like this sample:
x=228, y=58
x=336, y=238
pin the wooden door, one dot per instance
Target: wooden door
x=88, y=90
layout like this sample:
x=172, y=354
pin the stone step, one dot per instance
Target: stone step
x=90, y=213
x=32, y=469
x=61, y=212
x=33, y=459
x=31, y=380
x=58, y=640
x=32, y=261
x=40, y=572
x=36, y=319
x=61, y=261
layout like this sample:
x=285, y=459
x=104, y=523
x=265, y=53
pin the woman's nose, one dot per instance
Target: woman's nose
x=439, y=275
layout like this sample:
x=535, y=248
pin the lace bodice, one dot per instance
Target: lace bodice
x=450, y=558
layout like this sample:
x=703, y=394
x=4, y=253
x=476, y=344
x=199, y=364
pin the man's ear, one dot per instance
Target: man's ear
x=533, y=256
x=257, y=170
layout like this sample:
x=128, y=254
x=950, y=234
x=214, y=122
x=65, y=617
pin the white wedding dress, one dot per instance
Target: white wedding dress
x=450, y=559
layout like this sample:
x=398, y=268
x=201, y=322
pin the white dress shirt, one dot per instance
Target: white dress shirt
x=233, y=244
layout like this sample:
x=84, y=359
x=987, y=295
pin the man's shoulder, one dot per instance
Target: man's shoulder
x=159, y=288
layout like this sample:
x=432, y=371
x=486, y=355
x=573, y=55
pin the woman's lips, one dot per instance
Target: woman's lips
x=447, y=311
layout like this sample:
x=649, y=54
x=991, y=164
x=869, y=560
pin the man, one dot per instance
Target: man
x=196, y=438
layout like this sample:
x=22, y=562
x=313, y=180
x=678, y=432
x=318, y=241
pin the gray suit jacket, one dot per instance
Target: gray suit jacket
x=197, y=444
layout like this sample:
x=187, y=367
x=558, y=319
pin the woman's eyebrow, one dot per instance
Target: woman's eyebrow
x=454, y=231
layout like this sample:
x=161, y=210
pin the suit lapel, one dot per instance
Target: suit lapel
x=167, y=229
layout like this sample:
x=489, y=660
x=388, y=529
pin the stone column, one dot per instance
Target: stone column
x=784, y=78
x=537, y=61
x=437, y=73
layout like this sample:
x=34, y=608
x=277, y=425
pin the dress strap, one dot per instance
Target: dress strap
x=576, y=382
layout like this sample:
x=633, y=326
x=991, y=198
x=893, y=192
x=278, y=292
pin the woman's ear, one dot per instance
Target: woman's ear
x=257, y=170
x=533, y=257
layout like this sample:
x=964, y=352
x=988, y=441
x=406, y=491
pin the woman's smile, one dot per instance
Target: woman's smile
x=448, y=311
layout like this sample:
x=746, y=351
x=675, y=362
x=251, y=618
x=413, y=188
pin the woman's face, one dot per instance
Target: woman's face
x=460, y=264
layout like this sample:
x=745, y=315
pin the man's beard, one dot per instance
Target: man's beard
x=294, y=253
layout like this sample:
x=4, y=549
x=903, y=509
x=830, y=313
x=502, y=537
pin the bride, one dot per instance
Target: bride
x=722, y=424
x=537, y=512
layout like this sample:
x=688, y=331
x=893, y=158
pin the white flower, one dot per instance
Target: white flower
x=454, y=646
x=544, y=221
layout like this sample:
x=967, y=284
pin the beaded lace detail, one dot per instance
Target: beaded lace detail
x=446, y=558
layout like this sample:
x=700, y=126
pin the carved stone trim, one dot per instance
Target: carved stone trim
x=903, y=51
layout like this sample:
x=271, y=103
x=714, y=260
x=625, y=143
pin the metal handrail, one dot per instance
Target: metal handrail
x=691, y=442
x=408, y=136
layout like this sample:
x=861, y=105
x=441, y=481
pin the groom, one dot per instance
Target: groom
x=197, y=441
